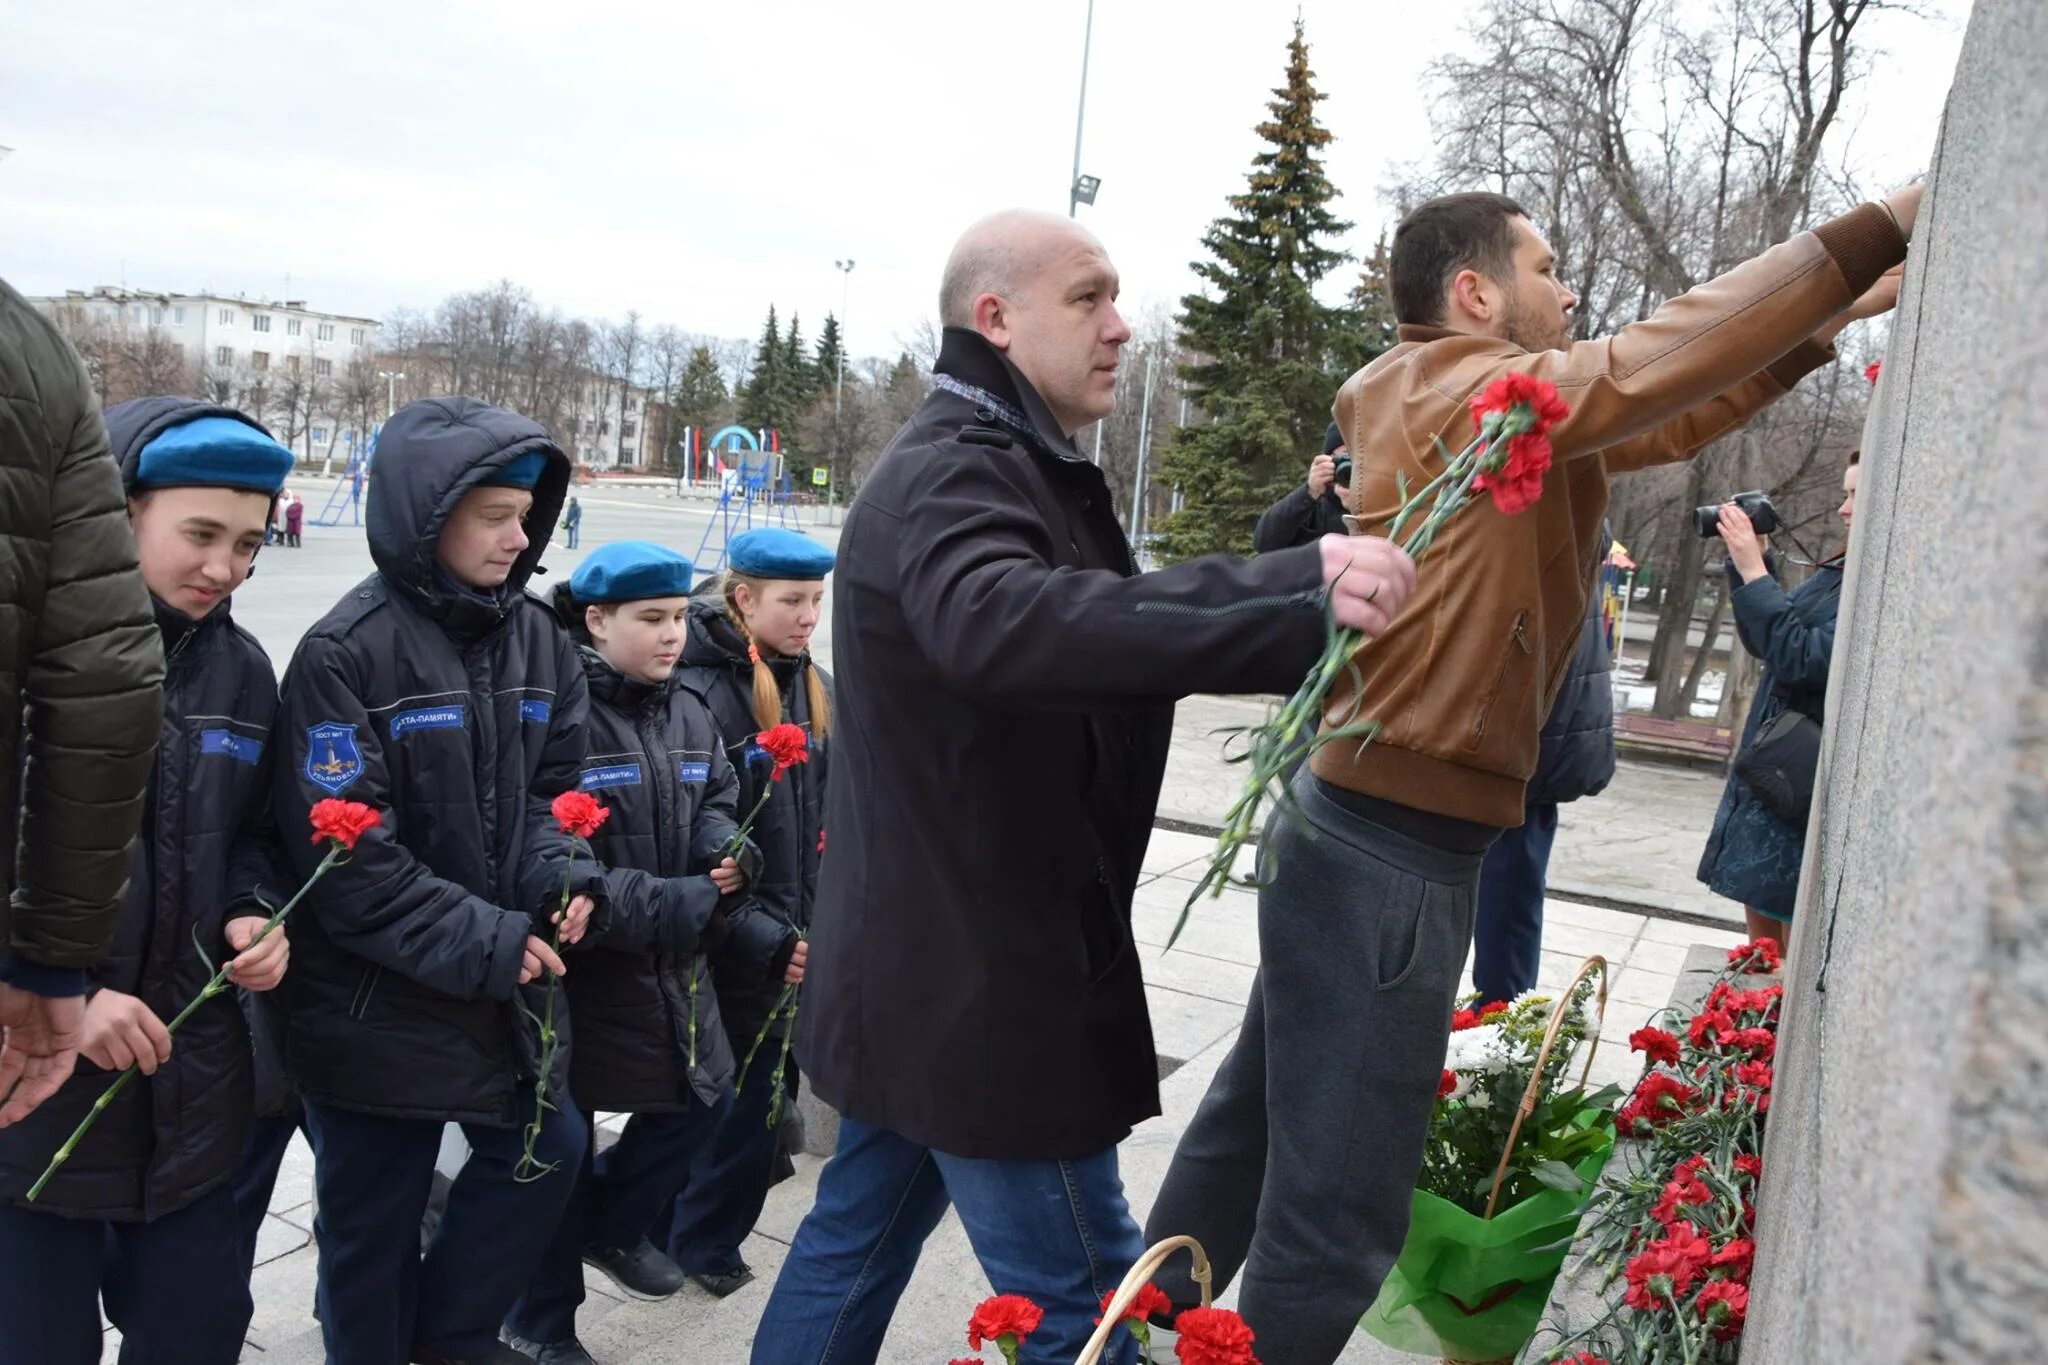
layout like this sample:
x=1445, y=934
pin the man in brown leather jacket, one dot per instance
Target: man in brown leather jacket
x=1365, y=918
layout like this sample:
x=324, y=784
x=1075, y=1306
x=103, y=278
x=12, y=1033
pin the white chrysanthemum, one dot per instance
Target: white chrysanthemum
x=1480, y=1099
x=1477, y=1049
x=1462, y=1088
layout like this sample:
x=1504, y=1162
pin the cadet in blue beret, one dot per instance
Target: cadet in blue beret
x=649, y=1038
x=141, y=1220
x=440, y=691
x=749, y=655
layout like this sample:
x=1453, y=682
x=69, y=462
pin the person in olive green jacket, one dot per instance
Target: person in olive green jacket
x=81, y=701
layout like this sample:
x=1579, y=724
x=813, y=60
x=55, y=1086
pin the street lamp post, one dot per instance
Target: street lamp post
x=839, y=386
x=390, y=378
x=1077, y=193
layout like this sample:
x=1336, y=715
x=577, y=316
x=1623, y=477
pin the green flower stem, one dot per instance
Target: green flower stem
x=530, y=1167
x=695, y=962
x=788, y=999
x=216, y=985
x=731, y=850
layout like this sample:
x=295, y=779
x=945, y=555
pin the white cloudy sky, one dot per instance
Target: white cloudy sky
x=696, y=161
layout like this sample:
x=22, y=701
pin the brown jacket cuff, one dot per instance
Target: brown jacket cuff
x=1801, y=361
x=1864, y=243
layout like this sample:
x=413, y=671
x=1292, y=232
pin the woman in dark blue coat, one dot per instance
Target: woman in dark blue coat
x=649, y=1041
x=1753, y=855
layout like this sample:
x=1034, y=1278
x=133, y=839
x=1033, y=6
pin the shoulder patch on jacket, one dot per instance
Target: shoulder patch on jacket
x=333, y=762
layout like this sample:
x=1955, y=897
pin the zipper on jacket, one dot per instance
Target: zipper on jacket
x=1292, y=599
x=1520, y=635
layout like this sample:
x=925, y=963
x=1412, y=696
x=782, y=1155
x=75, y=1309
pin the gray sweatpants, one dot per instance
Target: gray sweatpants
x=1300, y=1164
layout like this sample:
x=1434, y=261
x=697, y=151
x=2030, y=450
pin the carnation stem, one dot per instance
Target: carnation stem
x=530, y=1167
x=216, y=985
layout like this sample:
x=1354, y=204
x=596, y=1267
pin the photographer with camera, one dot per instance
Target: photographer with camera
x=1310, y=509
x=1759, y=835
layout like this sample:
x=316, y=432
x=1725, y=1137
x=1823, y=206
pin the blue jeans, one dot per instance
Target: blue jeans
x=1057, y=1232
x=174, y=1286
x=1507, y=928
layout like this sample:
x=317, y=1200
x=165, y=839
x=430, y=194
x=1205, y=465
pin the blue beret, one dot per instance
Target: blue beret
x=213, y=452
x=773, y=552
x=521, y=471
x=630, y=571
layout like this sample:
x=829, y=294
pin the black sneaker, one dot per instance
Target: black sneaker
x=728, y=1283
x=568, y=1352
x=499, y=1354
x=642, y=1271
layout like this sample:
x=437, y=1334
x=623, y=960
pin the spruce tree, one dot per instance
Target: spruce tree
x=1269, y=355
x=827, y=363
x=760, y=399
x=800, y=379
x=701, y=399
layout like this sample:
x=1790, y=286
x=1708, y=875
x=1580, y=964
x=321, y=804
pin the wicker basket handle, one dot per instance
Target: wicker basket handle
x=1596, y=963
x=1147, y=1266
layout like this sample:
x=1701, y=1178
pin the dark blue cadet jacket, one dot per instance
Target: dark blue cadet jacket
x=205, y=854
x=658, y=763
x=460, y=715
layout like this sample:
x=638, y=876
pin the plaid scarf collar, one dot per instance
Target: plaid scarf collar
x=1004, y=410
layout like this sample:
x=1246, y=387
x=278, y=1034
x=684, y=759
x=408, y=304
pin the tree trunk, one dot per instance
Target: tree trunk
x=1681, y=591
x=1740, y=687
x=1700, y=660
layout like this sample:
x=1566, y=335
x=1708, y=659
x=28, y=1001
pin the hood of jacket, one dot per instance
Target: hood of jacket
x=431, y=453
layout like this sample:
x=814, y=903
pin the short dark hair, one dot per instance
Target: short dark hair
x=1438, y=239
x=1855, y=458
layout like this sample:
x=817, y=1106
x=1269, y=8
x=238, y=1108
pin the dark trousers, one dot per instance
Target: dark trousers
x=379, y=1297
x=256, y=1178
x=619, y=1195
x=727, y=1186
x=1301, y=1161
x=173, y=1286
x=575, y=533
x=1507, y=933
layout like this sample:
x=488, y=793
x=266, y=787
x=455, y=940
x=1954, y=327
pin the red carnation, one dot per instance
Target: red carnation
x=1656, y=1277
x=1736, y=1258
x=1661, y=1097
x=1757, y=1042
x=1757, y=955
x=787, y=745
x=579, y=813
x=1690, y=1168
x=1655, y=1044
x=1545, y=408
x=1213, y=1336
x=1870, y=371
x=1751, y=1166
x=1722, y=1306
x=342, y=821
x=1587, y=1358
x=1521, y=410
x=1679, y=1194
x=1445, y=1086
x=1491, y=1008
x=1704, y=1027
x=1149, y=1299
x=1757, y=1074
x=1464, y=1019
x=1005, y=1315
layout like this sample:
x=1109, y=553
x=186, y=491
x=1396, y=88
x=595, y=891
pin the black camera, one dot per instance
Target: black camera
x=1755, y=504
x=1344, y=471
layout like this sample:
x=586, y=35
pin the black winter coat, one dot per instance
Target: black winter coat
x=790, y=829
x=1753, y=856
x=1577, y=754
x=81, y=666
x=657, y=762
x=1298, y=519
x=205, y=854
x=460, y=715
x=1006, y=689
